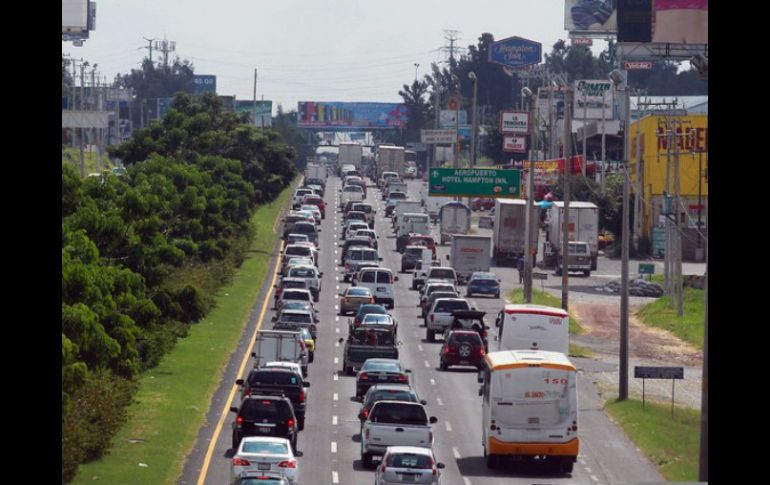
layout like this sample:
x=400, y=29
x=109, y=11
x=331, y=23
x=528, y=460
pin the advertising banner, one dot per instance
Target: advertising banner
x=634, y=20
x=586, y=17
x=680, y=22
x=448, y=118
x=335, y=114
x=514, y=122
x=515, y=52
x=473, y=182
x=205, y=83
x=589, y=97
x=264, y=115
x=514, y=143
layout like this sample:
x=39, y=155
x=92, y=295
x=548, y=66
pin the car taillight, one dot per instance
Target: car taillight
x=402, y=378
x=364, y=376
x=481, y=351
x=509, y=312
x=493, y=426
x=239, y=420
x=288, y=464
x=371, y=300
x=447, y=350
x=301, y=395
x=240, y=462
x=290, y=423
x=365, y=412
x=247, y=393
x=345, y=300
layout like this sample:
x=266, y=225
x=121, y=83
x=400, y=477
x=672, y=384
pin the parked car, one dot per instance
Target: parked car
x=260, y=415
x=483, y=283
x=408, y=464
x=354, y=297
x=265, y=454
x=380, y=371
x=462, y=347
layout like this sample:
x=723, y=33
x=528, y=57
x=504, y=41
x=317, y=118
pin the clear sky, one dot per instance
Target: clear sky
x=309, y=50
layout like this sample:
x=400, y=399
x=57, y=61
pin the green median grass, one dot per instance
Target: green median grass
x=542, y=298
x=173, y=398
x=672, y=444
x=661, y=313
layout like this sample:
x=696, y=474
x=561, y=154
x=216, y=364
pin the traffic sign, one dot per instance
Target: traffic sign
x=473, y=182
x=637, y=65
x=515, y=52
x=539, y=276
x=438, y=136
x=658, y=372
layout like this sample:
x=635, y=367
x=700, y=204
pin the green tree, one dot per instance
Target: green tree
x=304, y=142
x=413, y=97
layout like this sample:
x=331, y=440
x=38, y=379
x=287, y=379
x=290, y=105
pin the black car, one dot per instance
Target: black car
x=380, y=371
x=261, y=415
x=387, y=392
x=277, y=381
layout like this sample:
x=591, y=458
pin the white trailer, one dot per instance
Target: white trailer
x=433, y=204
x=390, y=159
x=350, y=153
x=315, y=171
x=280, y=346
x=529, y=408
x=404, y=206
x=469, y=254
x=509, y=231
x=583, y=226
x=454, y=218
x=532, y=327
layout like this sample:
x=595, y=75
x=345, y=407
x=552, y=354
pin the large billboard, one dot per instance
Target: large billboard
x=588, y=17
x=74, y=16
x=336, y=114
x=264, y=112
x=205, y=83
x=590, y=96
x=680, y=22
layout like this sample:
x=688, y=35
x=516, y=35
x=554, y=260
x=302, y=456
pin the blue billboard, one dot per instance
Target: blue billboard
x=205, y=83
x=515, y=52
x=341, y=115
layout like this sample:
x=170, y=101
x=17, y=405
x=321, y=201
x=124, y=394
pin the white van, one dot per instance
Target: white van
x=529, y=407
x=533, y=327
x=380, y=281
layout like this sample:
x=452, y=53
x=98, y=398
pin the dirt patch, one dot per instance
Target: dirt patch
x=601, y=322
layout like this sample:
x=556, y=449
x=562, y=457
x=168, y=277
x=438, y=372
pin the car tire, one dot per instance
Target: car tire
x=390, y=305
x=443, y=365
x=497, y=295
x=493, y=461
x=587, y=273
x=566, y=466
x=301, y=423
x=236, y=441
x=414, y=286
x=430, y=335
x=366, y=459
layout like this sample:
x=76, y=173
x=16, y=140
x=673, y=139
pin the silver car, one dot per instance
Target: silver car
x=408, y=464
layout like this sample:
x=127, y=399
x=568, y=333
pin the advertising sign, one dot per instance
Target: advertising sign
x=586, y=17
x=264, y=115
x=678, y=22
x=514, y=143
x=629, y=65
x=634, y=20
x=448, y=118
x=514, y=122
x=515, y=52
x=557, y=98
x=336, y=114
x=582, y=41
x=473, y=182
x=438, y=136
x=205, y=83
x=589, y=97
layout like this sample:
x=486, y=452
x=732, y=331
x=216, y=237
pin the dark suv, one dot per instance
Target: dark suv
x=462, y=347
x=277, y=381
x=260, y=415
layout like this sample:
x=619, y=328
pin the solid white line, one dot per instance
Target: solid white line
x=335, y=397
x=335, y=478
x=337, y=318
x=456, y=453
x=466, y=481
x=432, y=382
x=338, y=287
x=419, y=347
x=448, y=426
x=427, y=364
x=335, y=251
x=334, y=420
x=334, y=447
x=337, y=359
x=439, y=401
x=593, y=477
x=336, y=307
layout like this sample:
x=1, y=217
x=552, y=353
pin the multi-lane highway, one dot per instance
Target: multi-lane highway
x=330, y=441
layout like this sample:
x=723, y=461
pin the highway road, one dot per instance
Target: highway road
x=330, y=441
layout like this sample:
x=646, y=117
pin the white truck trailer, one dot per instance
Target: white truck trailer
x=583, y=226
x=454, y=218
x=390, y=159
x=469, y=253
x=280, y=346
x=350, y=153
x=509, y=231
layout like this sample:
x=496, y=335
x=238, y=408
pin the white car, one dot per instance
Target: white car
x=309, y=273
x=380, y=281
x=295, y=238
x=354, y=227
x=408, y=464
x=299, y=194
x=265, y=453
x=313, y=210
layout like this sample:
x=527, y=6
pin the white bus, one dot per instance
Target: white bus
x=533, y=327
x=529, y=408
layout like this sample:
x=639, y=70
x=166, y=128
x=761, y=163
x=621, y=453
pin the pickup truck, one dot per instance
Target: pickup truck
x=395, y=423
x=439, y=318
x=367, y=343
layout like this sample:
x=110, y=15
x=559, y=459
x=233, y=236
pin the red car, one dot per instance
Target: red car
x=316, y=200
x=423, y=240
x=482, y=203
x=462, y=347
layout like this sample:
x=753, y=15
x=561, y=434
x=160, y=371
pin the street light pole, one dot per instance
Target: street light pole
x=472, y=76
x=567, y=190
x=416, y=65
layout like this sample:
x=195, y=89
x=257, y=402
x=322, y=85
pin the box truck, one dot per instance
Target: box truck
x=390, y=159
x=469, y=254
x=583, y=227
x=509, y=231
x=532, y=327
x=350, y=154
x=454, y=218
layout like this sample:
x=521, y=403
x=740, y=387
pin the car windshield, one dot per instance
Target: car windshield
x=375, y=319
x=296, y=295
x=446, y=274
x=296, y=318
x=304, y=228
x=359, y=292
x=578, y=248
x=449, y=306
x=372, y=309
x=465, y=338
x=364, y=255
x=433, y=288
x=368, y=336
x=354, y=188
x=264, y=447
x=390, y=412
x=381, y=367
x=413, y=252
x=270, y=377
x=484, y=281
x=363, y=208
x=270, y=409
x=294, y=284
x=293, y=238
x=357, y=215
x=312, y=208
x=298, y=251
x=396, y=195
x=302, y=272
x=409, y=460
x=393, y=395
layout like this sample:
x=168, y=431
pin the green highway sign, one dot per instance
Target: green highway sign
x=646, y=268
x=473, y=182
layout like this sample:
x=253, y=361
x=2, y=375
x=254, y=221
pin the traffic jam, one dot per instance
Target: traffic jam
x=365, y=310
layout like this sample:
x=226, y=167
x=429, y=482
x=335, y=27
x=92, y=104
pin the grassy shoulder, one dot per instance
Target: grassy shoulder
x=673, y=444
x=543, y=298
x=661, y=313
x=173, y=398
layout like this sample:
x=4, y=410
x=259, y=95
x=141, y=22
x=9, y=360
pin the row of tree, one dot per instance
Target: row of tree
x=194, y=180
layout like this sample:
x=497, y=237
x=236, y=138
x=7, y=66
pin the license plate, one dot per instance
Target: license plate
x=408, y=477
x=265, y=430
x=380, y=288
x=383, y=378
x=263, y=466
x=463, y=362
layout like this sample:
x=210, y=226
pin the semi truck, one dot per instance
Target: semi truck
x=390, y=159
x=583, y=227
x=509, y=231
x=350, y=153
x=280, y=346
x=454, y=218
x=469, y=254
x=315, y=171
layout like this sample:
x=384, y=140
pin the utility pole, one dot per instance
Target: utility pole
x=585, y=125
x=678, y=227
x=529, y=221
x=255, y=98
x=639, y=185
x=604, y=145
x=80, y=130
x=703, y=465
x=94, y=107
x=567, y=190
x=149, y=46
x=623, y=391
x=475, y=80
x=166, y=46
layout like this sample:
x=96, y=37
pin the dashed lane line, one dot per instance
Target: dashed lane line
x=455, y=452
x=439, y=401
x=448, y=425
x=334, y=420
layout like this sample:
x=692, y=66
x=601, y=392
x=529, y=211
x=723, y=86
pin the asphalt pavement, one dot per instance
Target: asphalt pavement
x=330, y=441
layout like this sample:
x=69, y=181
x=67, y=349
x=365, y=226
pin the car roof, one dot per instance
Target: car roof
x=410, y=450
x=372, y=306
x=360, y=289
x=383, y=361
x=266, y=439
x=296, y=312
x=483, y=274
x=393, y=387
x=289, y=290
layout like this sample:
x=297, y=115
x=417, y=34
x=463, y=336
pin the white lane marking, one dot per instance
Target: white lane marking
x=427, y=364
x=416, y=334
x=335, y=478
x=466, y=481
x=336, y=329
x=336, y=307
x=336, y=377
x=582, y=462
x=337, y=318
x=338, y=287
x=439, y=401
x=335, y=397
x=456, y=453
x=432, y=382
x=334, y=420
x=448, y=425
x=419, y=347
x=589, y=470
x=334, y=447
x=335, y=251
x=336, y=344
x=337, y=359
x=593, y=477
